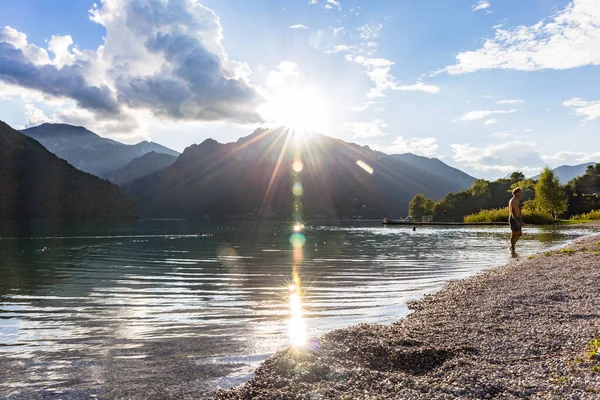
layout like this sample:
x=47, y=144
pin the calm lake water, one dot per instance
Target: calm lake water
x=151, y=310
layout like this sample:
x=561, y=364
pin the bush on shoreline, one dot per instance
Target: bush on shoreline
x=501, y=215
x=592, y=215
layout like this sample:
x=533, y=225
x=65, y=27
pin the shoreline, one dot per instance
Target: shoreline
x=522, y=330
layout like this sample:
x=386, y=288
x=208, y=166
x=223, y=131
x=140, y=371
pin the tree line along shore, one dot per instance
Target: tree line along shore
x=545, y=200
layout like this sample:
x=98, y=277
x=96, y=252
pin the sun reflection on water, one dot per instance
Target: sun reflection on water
x=297, y=324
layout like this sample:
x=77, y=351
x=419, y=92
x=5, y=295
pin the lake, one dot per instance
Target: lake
x=151, y=310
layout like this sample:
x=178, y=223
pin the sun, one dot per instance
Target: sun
x=303, y=110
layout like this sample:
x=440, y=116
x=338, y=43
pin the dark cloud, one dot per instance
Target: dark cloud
x=197, y=86
x=161, y=56
x=68, y=81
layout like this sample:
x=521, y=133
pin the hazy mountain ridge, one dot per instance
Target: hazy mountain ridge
x=89, y=152
x=140, y=167
x=222, y=180
x=36, y=184
x=436, y=166
x=566, y=173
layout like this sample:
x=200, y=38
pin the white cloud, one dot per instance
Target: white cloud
x=500, y=158
x=163, y=57
x=337, y=31
x=328, y=4
x=133, y=127
x=282, y=72
x=475, y=115
x=34, y=116
x=481, y=5
x=298, y=26
x=367, y=129
x=571, y=157
x=14, y=92
x=515, y=101
x=419, y=87
x=501, y=135
x=59, y=46
x=376, y=68
x=568, y=39
x=588, y=109
x=379, y=71
x=341, y=48
x=421, y=146
x=366, y=105
x=491, y=121
x=18, y=40
x=333, y=3
x=369, y=31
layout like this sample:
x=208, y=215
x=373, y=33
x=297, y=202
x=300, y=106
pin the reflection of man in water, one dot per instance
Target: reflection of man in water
x=516, y=218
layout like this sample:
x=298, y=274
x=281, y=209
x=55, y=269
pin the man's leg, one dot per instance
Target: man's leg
x=517, y=236
x=513, y=240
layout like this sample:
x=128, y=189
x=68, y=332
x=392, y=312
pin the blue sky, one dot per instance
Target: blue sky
x=487, y=86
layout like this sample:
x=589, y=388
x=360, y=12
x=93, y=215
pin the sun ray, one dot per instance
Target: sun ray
x=275, y=171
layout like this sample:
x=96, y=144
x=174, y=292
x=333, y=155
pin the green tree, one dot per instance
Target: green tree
x=525, y=184
x=584, y=191
x=480, y=187
x=516, y=177
x=550, y=195
x=420, y=206
x=429, y=204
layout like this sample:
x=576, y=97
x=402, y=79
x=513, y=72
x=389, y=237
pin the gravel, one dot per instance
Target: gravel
x=524, y=330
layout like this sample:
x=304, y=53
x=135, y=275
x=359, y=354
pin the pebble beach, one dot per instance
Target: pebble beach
x=530, y=329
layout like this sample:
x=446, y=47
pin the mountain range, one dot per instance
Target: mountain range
x=566, y=173
x=140, y=167
x=437, y=167
x=89, y=152
x=36, y=184
x=254, y=177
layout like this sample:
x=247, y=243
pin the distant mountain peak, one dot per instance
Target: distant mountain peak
x=252, y=177
x=36, y=184
x=565, y=173
x=145, y=165
x=209, y=142
x=48, y=128
x=208, y=147
x=88, y=151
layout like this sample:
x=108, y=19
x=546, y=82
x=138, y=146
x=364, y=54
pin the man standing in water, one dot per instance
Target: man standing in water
x=516, y=218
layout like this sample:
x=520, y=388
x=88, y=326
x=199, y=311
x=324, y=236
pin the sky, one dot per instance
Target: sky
x=487, y=86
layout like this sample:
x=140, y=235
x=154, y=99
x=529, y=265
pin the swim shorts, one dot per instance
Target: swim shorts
x=514, y=226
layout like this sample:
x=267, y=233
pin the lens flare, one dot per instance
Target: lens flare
x=297, y=166
x=297, y=189
x=297, y=239
x=297, y=325
x=365, y=166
